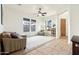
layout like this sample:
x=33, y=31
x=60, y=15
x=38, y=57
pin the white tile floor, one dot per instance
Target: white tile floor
x=35, y=41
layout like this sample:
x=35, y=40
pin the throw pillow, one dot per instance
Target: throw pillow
x=5, y=35
x=14, y=35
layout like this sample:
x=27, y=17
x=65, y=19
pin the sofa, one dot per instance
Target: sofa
x=44, y=33
x=11, y=44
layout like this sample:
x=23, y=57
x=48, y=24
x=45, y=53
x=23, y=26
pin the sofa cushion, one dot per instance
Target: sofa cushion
x=14, y=35
x=5, y=35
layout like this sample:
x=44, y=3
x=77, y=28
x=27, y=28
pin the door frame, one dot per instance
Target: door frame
x=58, y=25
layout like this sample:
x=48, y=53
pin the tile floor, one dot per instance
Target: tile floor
x=53, y=47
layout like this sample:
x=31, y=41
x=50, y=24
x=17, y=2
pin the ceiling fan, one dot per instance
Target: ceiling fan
x=40, y=13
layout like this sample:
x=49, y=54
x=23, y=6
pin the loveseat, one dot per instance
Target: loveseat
x=11, y=44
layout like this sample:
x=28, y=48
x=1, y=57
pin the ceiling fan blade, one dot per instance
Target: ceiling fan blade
x=37, y=15
x=39, y=12
x=19, y=4
x=40, y=9
x=44, y=13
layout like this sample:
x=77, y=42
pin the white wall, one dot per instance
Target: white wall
x=74, y=22
x=13, y=21
x=0, y=14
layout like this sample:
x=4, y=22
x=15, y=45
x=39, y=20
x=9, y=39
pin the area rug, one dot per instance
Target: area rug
x=35, y=41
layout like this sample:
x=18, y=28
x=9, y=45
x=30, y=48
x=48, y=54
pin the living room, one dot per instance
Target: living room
x=40, y=22
x=21, y=19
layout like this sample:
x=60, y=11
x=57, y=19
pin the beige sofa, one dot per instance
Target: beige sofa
x=9, y=45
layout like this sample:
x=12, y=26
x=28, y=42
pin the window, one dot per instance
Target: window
x=33, y=25
x=49, y=23
x=26, y=25
x=29, y=25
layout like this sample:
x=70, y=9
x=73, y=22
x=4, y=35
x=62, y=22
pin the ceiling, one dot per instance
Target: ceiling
x=32, y=9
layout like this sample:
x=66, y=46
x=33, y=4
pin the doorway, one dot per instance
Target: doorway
x=65, y=15
x=63, y=28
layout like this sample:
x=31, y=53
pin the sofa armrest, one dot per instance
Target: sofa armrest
x=24, y=36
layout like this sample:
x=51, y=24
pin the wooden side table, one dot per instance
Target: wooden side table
x=75, y=45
